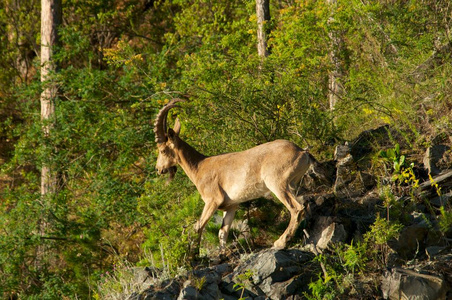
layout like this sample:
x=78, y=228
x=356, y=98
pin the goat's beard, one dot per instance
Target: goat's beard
x=172, y=172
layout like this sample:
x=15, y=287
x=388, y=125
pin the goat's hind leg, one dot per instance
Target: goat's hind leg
x=228, y=217
x=296, y=210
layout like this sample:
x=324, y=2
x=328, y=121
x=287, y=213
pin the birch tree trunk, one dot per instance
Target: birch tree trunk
x=263, y=17
x=334, y=85
x=51, y=16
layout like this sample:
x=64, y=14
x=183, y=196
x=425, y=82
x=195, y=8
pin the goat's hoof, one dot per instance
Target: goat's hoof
x=279, y=245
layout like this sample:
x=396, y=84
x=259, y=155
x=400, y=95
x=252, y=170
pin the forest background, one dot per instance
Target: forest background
x=332, y=69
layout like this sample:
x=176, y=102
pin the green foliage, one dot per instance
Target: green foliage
x=353, y=257
x=445, y=220
x=393, y=156
x=199, y=282
x=243, y=280
x=404, y=182
x=322, y=289
x=170, y=235
x=402, y=172
x=378, y=236
x=382, y=231
x=338, y=270
x=120, y=282
x=119, y=63
x=242, y=98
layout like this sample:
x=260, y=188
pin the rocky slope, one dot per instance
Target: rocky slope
x=342, y=206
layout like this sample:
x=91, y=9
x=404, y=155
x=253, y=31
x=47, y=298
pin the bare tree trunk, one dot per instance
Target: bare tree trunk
x=334, y=85
x=263, y=17
x=51, y=16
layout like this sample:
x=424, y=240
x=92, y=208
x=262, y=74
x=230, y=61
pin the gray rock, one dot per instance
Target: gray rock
x=341, y=151
x=325, y=232
x=276, y=274
x=351, y=182
x=212, y=278
x=370, y=140
x=411, y=241
x=188, y=292
x=167, y=290
x=332, y=234
x=406, y=284
x=432, y=157
x=441, y=200
x=433, y=251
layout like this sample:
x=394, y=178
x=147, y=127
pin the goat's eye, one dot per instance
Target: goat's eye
x=164, y=151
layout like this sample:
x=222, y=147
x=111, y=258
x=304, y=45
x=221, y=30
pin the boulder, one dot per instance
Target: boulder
x=188, y=292
x=325, y=232
x=202, y=284
x=341, y=151
x=166, y=290
x=433, y=156
x=274, y=274
x=401, y=284
x=211, y=278
x=411, y=241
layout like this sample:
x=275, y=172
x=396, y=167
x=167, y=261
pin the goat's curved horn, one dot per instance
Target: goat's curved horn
x=160, y=129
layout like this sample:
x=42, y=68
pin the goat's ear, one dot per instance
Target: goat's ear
x=177, y=126
x=171, y=134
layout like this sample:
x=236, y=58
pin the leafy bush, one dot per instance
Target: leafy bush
x=119, y=63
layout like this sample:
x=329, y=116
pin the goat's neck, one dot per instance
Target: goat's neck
x=189, y=159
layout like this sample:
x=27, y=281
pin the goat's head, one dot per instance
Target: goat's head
x=166, y=141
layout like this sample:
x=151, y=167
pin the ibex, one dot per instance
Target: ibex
x=224, y=181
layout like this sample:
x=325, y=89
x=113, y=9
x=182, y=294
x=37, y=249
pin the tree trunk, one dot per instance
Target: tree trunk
x=51, y=16
x=263, y=17
x=334, y=85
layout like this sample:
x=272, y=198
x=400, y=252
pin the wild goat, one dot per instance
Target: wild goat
x=224, y=181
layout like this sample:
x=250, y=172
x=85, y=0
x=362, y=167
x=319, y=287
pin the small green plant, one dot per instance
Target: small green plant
x=199, y=282
x=339, y=269
x=398, y=161
x=120, y=282
x=353, y=257
x=242, y=281
x=322, y=289
x=402, y=170
x=404, y=182
x=389, y=200
x=445, y=220
x=380, y=233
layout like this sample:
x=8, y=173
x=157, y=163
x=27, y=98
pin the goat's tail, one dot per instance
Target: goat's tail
x=317, y=167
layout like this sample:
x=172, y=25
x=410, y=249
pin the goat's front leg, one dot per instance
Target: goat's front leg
x=209, y=209
x=228, y=217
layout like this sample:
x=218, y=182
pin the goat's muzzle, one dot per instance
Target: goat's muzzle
x=171, y=170
x=162, y=171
